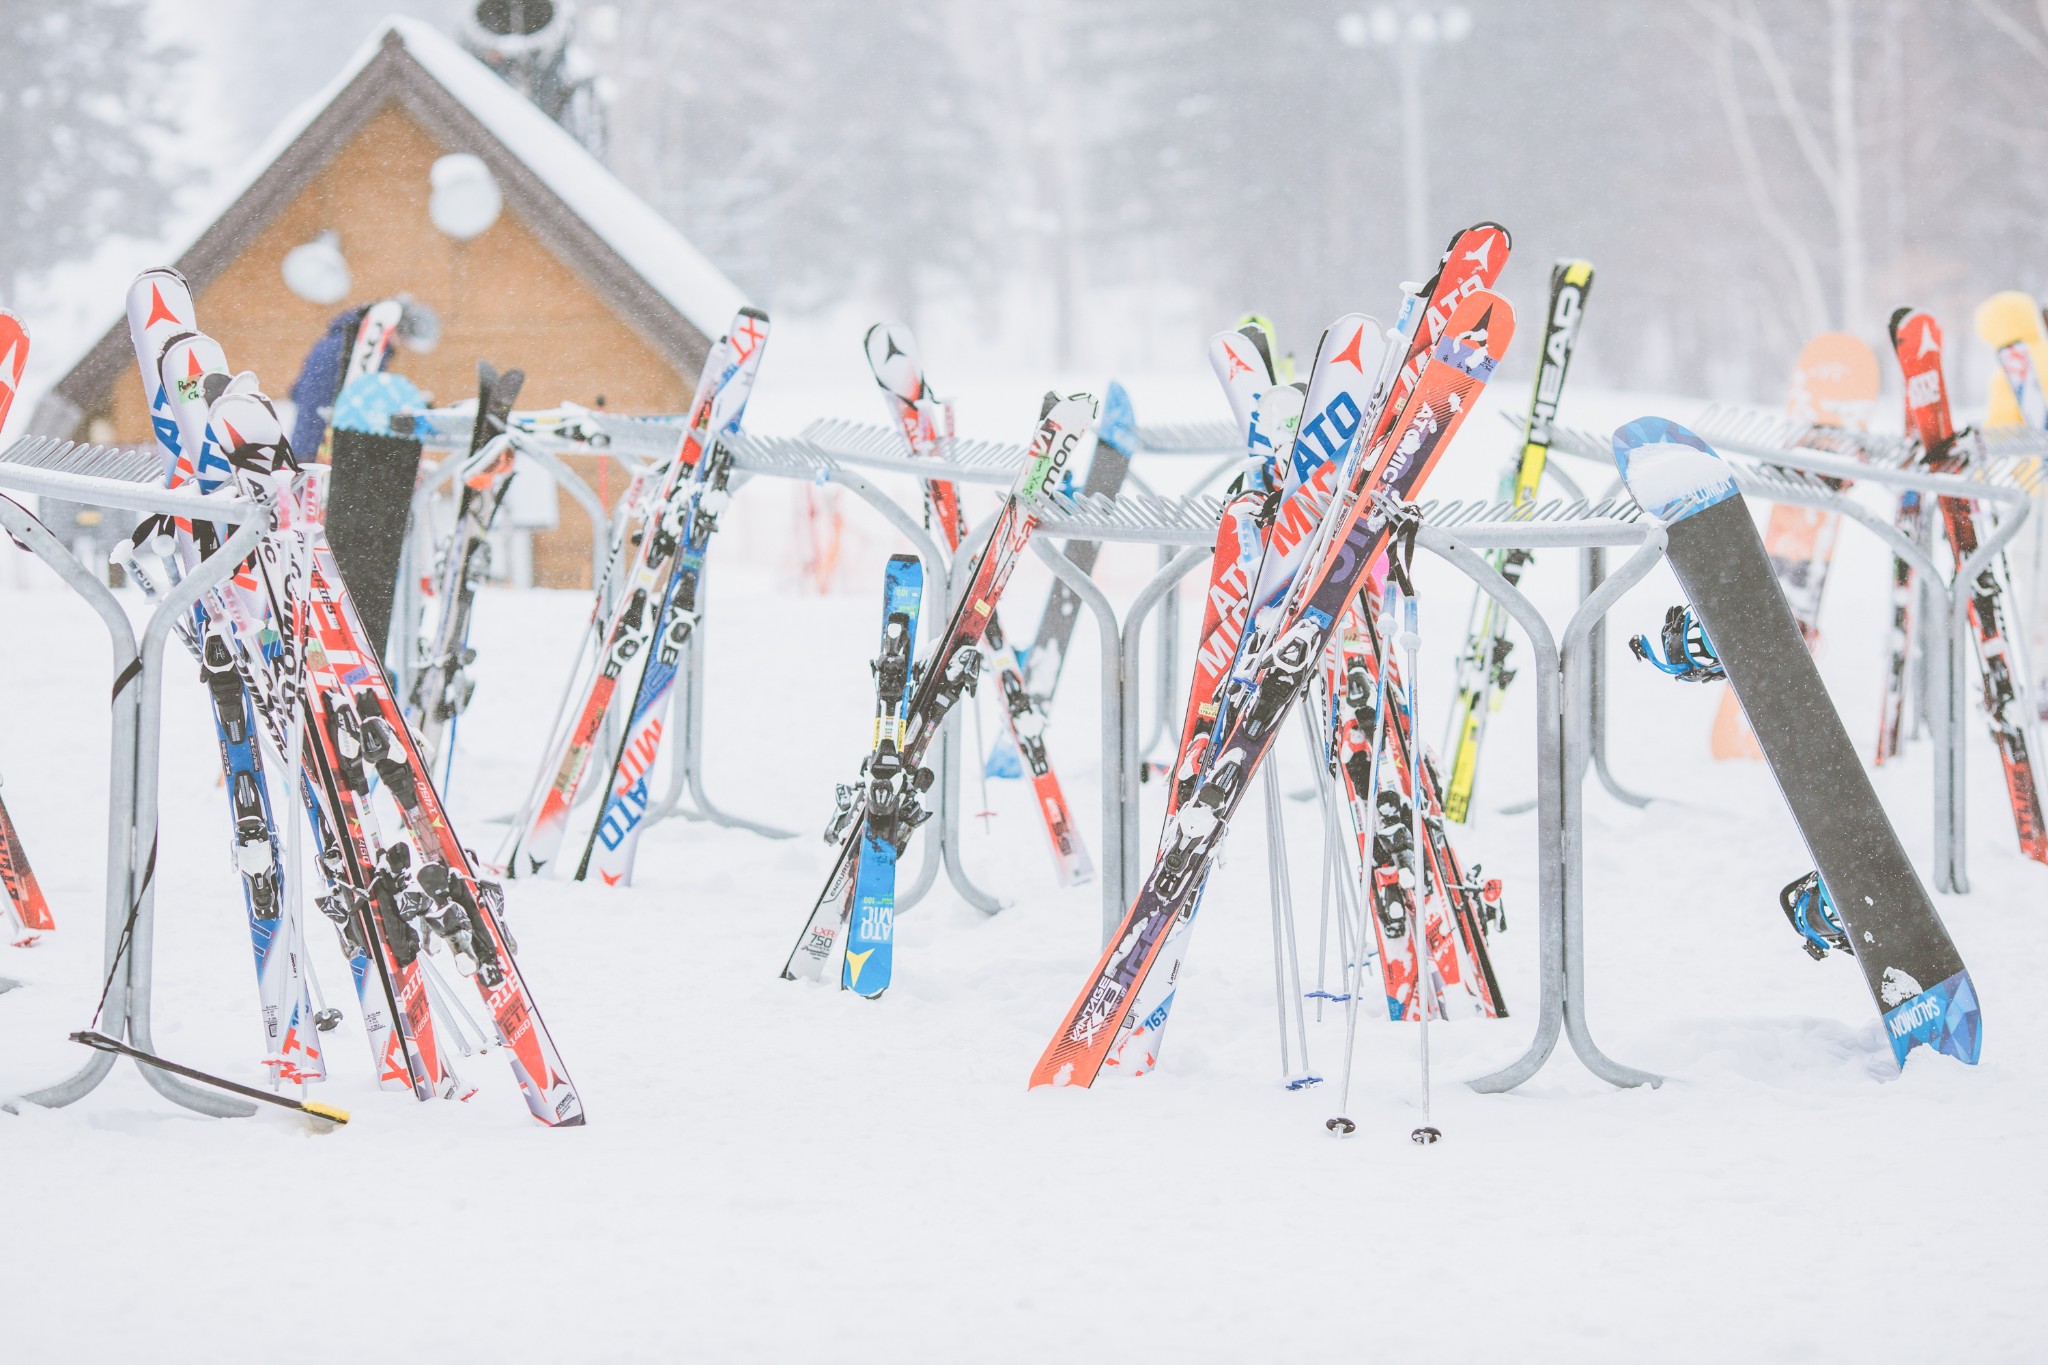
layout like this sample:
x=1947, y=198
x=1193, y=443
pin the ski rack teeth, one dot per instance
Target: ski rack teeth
x=128, y=464
x=787, y=457
x=1190, y=438
x=1455, y=513
x=1135, y=516
x=880, y=447
x=2006, y=457
x=128, y=477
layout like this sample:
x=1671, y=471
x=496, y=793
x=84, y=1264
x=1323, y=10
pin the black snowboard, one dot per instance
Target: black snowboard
x=1912, y=968
x=369, y=497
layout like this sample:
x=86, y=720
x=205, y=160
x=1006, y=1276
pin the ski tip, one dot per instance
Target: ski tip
x=1945, y=1017
x=1670, y=472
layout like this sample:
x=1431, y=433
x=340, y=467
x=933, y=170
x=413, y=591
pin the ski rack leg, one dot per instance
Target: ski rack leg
x=1169, y=648
x=1160, y=590
x=1120, y=759
x=948, y=766
x=1593, y=572
x=689, y=753
x=687, y=706
x=132, y=800
x=1550, y=782
x=1576, y=649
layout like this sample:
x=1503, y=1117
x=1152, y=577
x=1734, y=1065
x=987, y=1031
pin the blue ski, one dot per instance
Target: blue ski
x=889, y=798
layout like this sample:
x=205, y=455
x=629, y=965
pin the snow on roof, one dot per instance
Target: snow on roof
x=645, y=243
x=645, y=240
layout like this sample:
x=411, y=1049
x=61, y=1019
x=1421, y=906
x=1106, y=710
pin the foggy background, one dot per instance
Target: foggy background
x=1105, y=184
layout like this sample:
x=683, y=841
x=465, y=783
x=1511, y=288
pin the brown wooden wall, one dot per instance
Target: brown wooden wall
x=501, y=296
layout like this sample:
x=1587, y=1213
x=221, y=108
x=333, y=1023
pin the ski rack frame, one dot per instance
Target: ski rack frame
x=127, y=478
x=1774, y=464
x=411, y=608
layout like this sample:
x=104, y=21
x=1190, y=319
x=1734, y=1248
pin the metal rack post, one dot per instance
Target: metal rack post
x=105, y=477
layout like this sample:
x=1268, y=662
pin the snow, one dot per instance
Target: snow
x=773, y=1171
x=1672, y=480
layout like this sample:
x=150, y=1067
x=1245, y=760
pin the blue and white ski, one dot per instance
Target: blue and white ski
x=888, y=799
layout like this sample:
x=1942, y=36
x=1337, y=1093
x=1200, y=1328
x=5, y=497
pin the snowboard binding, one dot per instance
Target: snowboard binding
x=1812, y=912
x=1688, y=654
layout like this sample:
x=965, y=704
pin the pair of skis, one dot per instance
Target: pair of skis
x=643, y=640
x=926, y=423
x=951, y=669
x=1381, y=447
x=441, y=685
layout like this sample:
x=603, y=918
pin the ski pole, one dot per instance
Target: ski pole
x=1425, y=963
x=1276, y=879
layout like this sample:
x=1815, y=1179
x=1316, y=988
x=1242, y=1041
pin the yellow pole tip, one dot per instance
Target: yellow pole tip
x=325, y=1111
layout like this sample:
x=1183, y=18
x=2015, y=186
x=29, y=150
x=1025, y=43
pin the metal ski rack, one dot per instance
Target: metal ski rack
x=130, y=479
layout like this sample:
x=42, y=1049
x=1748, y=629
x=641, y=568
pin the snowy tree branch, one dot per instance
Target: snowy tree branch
x=2027, y=42
x=1797, y=255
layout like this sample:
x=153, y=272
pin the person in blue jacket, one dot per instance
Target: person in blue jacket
x=320, y=376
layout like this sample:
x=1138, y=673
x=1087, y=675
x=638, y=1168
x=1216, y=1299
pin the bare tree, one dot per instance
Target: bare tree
x=1833, y=160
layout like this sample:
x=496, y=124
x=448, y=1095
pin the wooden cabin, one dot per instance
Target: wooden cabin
x=578, y=282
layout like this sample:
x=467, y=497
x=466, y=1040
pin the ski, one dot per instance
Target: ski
x=1482, y=673
x=28, y=913
x=1912, y=969
x=1916, y=337
x=1432, y=404
x=886, y=798
x=953, y=665
x=1116, y=440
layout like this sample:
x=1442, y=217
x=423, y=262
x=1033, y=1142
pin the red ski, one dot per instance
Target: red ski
x=1916, y=338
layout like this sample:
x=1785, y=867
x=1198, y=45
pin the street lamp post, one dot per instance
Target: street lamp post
x=1409, y=29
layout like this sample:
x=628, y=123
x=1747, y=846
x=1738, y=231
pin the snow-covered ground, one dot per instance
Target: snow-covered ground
x=777, y=1172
